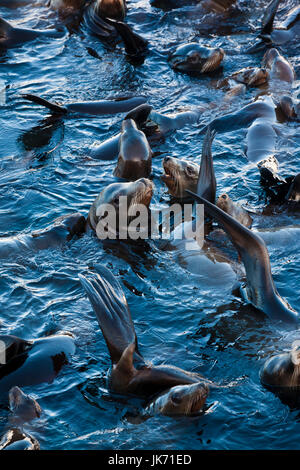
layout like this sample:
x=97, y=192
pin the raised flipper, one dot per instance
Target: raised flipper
x=260, y=288
x=110, y=306
x=268, y=18
x=264, y=38
x=207, y=184
x=55, y=108
x=135, y=45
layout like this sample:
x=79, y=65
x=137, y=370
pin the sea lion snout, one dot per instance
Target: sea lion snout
x=195, y=58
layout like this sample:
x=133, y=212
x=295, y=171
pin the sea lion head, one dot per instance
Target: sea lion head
x=179, y=176
x=287, y=107
x=121, y=197
x=294, y=191
x=282, y=371
x=269, y=57
x=115, y=9
x=194, y=58
x=257, y=77
x=237, y=212
x=135, y=156
x=67, y=226
x=186, y=400
x=24, y=407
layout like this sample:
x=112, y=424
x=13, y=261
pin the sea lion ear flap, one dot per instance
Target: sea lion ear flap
x=125, y=364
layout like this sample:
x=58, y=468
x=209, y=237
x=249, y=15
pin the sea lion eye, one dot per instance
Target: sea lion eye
x=176, y=399
x=193, y=58
x=189, y=170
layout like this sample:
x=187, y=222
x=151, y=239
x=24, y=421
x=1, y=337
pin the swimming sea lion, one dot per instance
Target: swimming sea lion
x=282, y=371
x=155, y=125
x=280, y=68
x=121, y=197
x=243, y=118
x=195, y=58
x=286, y=31
x=251, y=76
x=260, y=289
x=25, y=363
x=24, y=407
x=12, y=37
x=237, y=212
x=135, y=155
x=61, y=230
x=130, y=374
x=15, y=439
x=289, y=108
x=261, y=141
x=108, y=28
x=182, y=174
x=102, y=107
x=182, y=400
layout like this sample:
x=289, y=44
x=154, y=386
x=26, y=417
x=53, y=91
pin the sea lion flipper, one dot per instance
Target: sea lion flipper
x=261, y=290
x=207, y=184
x=110, y=306
x=134, y=44
x=53, y=107
x=5, y=28
x=268, y=18
x=125, y=363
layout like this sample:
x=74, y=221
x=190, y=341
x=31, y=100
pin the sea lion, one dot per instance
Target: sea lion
x=237, y=212
x=135, y=155
x=25, y=363
x=155, y=126
x=280, y=68
x=181, y=175
x=182, y=400
x=289, y=108
x=282, y=371
x=102, y=107
x=195, y=58
x=243, y=118
x=286, y=31
x=130, y=374
x=260, y=289
x=294, y=191
x=24, y=409
x=115, y=9
x=61, y=230
x=108, y=28
x=251, y=76
x=261, y=140
x=12, y=37
x=121, y=197
x=15, y=439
